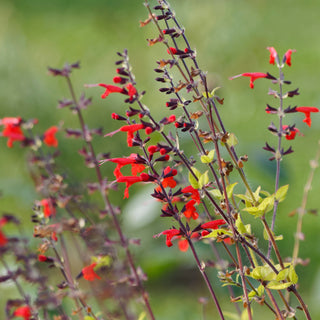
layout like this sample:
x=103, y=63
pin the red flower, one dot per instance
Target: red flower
x=273, y=54
x=253, y=76
x=130, y=129
x=170, y=234
x=42, y=258
x=23, y=312
x=129, y=181
x=88, y=272
x=3, y=239
x=190, y=210
x=49, y=137
x=132, y=91
x=12, y=130
x=110, y=89
x=307, y=111
x=293, y=132
x=121, y=162
x=194, y=193
x=172, y=50
x=287, y=57
x=214, y=224
x=48, y=207
x=183, y=245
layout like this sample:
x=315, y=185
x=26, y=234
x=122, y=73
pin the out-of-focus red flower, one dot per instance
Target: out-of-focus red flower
x=307, y=111
x=130, y=129
x=252, y=75
x=49, y=137
x=170, y=234
x=12, y=130
x=273, y=54
x=89, y=273
x=23, y=312
x=287, y=56
x=190, y=210
x=293, y=132
x=48, y=207
x=3, y=239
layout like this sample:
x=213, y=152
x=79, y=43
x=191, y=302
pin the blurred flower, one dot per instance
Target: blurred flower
x=88, y=272
x=49, y=137
x=12, y=130
x=287, y=57
x=307, y=111
x=48, y=207
x=23, y=312
x=293, y=131
x=273, y=54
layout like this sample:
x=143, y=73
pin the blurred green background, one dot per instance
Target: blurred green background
x=230, y=37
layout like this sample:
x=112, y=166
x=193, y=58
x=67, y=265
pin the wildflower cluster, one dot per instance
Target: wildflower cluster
x=196, y=192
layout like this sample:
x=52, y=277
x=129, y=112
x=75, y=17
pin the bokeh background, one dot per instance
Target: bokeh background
x=230, y=37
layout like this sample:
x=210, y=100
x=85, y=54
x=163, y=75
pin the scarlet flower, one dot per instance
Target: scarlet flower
x=168, y=180
x=130, y=129
x=88, y=272
x=194, y=193
x=111, y=89
x=287, y=57
x=42, y=258
x=132, y=91
x=273, y=54
x=12, y=130
x=129, y=181
x=23, y=312
x=190, y=210
x=253, y=76
x=121, y=162
x=49, y=137
x=293, y=132
x=214, y=224
x=48, y=207
x=307, y=111
x=170, y=234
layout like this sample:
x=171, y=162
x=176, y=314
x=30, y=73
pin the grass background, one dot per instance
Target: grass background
x=230, y=38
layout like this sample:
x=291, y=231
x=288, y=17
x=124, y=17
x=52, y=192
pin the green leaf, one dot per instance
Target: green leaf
x=265, y=206
x=281, y=193
x=240, y=226
x=88, y=318
x=293, y=275
x=230, y=188
x=193, y=181
x=231, y=316
x=216, y=194
x=208, y=158
x=282, y=275
x=232, y=140
x=216, y=232
x=203, y=180
x=275, y=285
x=142, y=315
x=264, y=273
x=266, y=236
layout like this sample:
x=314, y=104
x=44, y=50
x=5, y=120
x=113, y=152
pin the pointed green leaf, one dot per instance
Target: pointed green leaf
x=266, y=236
x=216, y=194
x=275, y=285
x=208, y=158
x=293, y=275
x=232, y=140
x=281, y=193
x=203, y=180
x=264, y=273
x=142, y=316
x=193, y=181
x=240, y=226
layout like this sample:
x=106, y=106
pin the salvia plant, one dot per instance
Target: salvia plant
x=83, y=266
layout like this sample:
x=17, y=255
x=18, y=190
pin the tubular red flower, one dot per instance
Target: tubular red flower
x=111, y=89
x=214, y=224
x=49, y=137
x=190, y=210
x=23, y=312
x=121, y=162
x=89, y=273
x=273, y=54
x=12, y=131
x=293, y=132
x=252, y=75
x=10, y=120
x=129, y=181
x=130, y=129
x=132, y=91
x=287, y=56
x=42, y=258
x=194, y=193
x=48, y=207
x=169, y=235
x=307, y=111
